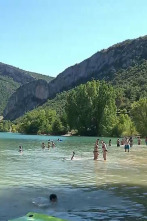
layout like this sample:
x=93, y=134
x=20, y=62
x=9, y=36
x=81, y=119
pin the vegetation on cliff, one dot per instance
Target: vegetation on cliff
x=12, y=78
x=90, y=109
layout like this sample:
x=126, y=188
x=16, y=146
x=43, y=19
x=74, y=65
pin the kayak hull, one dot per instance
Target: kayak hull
x=37, y=217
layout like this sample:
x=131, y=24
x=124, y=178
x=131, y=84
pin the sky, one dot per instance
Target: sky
x=47, y=36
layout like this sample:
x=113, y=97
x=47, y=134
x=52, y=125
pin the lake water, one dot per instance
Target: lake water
x=115, y=189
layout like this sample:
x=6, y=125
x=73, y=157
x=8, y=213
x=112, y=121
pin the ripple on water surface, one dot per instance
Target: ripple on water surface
x=87, y=189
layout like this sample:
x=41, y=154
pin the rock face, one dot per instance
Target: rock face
x=16, y=74
x=26, y=98
x=102, y=65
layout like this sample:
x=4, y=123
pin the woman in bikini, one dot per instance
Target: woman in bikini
x=104, y=148
x=95, y=152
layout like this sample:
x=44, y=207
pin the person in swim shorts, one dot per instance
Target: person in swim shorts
x=127, y=145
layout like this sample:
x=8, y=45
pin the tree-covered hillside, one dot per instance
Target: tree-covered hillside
x=7, y=87
x=75, y=109
x=89, y=109
x=11, y=78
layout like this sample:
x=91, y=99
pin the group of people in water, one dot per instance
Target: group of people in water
x=50, y=144
x=126, y=142
x=96, y=149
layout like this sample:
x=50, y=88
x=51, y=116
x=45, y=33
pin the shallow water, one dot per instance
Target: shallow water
x=86, y=189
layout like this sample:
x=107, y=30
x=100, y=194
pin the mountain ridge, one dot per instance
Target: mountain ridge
x=102, y=65
x=11, y=78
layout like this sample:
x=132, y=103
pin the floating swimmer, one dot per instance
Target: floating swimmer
x=45, y=202
x=59, y=140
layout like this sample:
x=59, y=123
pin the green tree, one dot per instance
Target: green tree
x=139, y=115
x=57, y=127
x=124, y=126
x=91, y=108
x=105, y=109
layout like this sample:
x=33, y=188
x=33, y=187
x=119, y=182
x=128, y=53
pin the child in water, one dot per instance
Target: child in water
x=73, y=155
x=45, y=202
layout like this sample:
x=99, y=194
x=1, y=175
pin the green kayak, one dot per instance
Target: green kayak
x=37, y=217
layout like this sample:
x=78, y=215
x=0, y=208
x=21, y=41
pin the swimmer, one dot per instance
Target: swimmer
x=44, y=202
x=139, y=141
x=131, y=141
x=20, y=149
x=73, y=155
x=43, y=146
x=122, y=142
x=104, y=148
x=146, y=140
x=118, y=143
x=53, y=144
x=110, y=143
x=127, y=145
x=49, y=144
x=53, y=198
x=95, y=151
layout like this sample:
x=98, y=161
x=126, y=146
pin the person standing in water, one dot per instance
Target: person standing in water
x=72, y=155
x=95, y=151
x=146, y=140
x=131, y=141
x=43, y=146
x=127, y=145
x=53, y=144
x=104, y=148
x=139, y=141
x=20, y=149
x=118, y=143
x=49, y=144
x=110, y=143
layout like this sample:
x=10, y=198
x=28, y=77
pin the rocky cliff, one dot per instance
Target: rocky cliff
x=102, y=65
x=11, y=78
x=26, y=98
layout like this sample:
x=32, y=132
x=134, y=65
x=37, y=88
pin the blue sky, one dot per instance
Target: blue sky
x=47, y=36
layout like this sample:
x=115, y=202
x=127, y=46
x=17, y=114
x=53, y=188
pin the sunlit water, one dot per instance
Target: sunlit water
x=86, y=189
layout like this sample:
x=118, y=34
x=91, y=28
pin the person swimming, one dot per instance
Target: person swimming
x=53, y=198
x=45, y=202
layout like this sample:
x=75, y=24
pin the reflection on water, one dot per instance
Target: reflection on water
x=87, y=189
